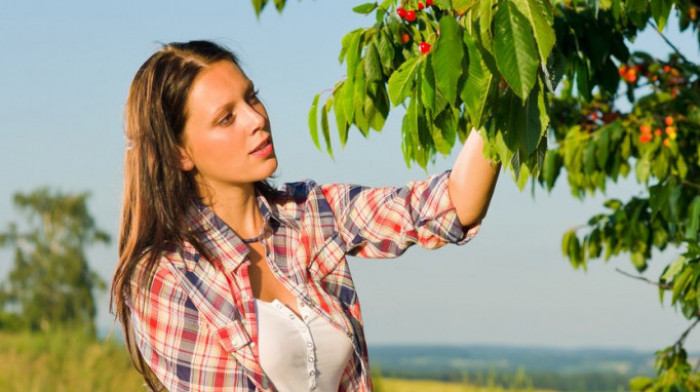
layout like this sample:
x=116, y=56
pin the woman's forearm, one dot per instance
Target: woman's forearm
x=472, y=181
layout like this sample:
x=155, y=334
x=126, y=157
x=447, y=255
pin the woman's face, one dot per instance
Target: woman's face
x=227, y=135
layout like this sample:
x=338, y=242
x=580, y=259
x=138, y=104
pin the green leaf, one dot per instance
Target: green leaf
x=353, y=52
x=359, y=97
x=673, y=269
x=447, y=58
x=583, y=85
x=379, y=100
x=339, y=110
x=324, y=126
x=443, y=4
x=659, y=11
x=444, y=130
x=485, y=21
x=313, y=121
x=279, y=4
x=476, y=88
x=589, y=158
x=534, y=11
x=373, y=67
x=365, y=8
x=522, y=125
x=640, y=383
x=691, y=230
x=613, y=204
x=401, y=81
x=552, y=167
x=349, y=100
x=410, y=127
x=514, y=49
x=461, y=6
x=603, y=142
x=642, y=169
x=386, y=52
x=259, y=5
x=428, y=84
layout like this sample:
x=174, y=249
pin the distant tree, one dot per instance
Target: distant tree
x=51, y=284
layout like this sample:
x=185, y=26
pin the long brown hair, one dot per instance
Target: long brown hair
x=157, y=193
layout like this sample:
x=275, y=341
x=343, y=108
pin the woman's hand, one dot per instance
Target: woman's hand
x=472, y=181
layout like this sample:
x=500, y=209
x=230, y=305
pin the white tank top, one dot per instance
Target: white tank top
x=307, y=354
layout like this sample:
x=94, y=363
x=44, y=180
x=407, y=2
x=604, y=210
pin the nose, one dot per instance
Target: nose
x=256, y=117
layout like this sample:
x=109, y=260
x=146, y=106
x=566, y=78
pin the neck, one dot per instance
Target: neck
x=237, y=206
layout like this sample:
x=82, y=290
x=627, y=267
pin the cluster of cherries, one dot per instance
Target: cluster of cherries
x=410, y=16
x=668, y=75
x=646, y=135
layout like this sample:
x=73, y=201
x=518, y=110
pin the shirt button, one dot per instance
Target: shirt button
x=311, y=359
x=311, y=373
x=309, y=344
x=291, y=316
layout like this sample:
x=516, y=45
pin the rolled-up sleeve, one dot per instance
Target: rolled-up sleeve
x=383, y=222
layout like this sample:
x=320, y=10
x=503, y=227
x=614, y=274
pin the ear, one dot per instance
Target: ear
x=186, y=163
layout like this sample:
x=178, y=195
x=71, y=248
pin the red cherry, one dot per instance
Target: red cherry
x=594, y=116
x=657, y=132
x=644, y=138
x=401, y=12
x=622, y=70
x=424, y=47
x=645, y=128
x=420, y=5
x=667, y=142
x=668, y=120
x=667, y=68
x=405, y=38
x=410, y=15
x=429, y=2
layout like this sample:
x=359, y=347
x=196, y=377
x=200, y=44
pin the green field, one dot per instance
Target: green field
x=65, y=362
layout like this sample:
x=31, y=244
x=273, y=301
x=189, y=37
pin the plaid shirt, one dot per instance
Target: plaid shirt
x=195, y=324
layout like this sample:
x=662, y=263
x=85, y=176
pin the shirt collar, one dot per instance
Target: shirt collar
x=218, y=239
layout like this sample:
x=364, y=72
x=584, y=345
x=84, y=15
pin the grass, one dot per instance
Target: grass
x=71, y=362
x=64, y=362
x=401, y=385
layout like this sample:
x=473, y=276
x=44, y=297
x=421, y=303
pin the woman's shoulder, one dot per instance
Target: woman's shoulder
x=154, y=262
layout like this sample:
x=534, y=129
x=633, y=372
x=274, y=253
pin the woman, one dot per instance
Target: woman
x=225, y=283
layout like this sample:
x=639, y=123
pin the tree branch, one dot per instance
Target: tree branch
x=675, y=49
x=680, y=340
x=664, y=286
x=692, y=184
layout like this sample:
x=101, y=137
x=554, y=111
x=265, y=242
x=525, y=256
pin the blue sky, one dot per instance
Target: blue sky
x=65, y=71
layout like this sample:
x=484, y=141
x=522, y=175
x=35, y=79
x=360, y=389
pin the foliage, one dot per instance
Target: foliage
x=64, y=361
x=51, y=284
x=523, y=71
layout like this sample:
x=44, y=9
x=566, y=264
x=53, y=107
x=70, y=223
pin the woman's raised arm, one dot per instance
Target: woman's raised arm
x=472, y=181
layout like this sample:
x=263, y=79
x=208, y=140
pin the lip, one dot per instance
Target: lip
x=264, y=149
x=261, y=144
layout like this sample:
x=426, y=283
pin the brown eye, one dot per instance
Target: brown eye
x=227, y=119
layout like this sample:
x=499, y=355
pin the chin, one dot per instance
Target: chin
x=270, y=167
